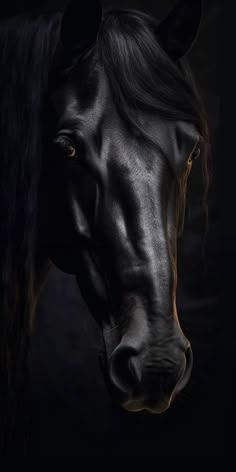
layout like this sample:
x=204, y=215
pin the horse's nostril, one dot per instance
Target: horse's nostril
x=125, y=371
x=187, y=372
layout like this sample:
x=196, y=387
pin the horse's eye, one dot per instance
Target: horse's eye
x=70, y=152
x=67, y=147
x=195, y=154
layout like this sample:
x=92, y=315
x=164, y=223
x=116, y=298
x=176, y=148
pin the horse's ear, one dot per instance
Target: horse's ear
x=177, y=33
x=80, y=25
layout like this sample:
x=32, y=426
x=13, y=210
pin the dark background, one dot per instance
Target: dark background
x=74, y=418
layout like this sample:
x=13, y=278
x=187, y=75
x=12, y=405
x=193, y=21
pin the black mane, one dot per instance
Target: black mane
x=27, y=44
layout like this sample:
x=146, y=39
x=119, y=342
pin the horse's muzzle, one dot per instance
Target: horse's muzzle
x=153, y=392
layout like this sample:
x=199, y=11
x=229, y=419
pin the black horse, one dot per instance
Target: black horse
x=100, y=122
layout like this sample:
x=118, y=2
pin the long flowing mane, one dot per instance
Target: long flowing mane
x=140, y=74
x=27, y=45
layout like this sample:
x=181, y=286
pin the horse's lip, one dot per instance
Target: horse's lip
x=160, y=409
x=134, y=406
x=142, y=404
x=185, y=374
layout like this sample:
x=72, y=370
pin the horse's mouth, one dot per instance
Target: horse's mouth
x=141, y=402
x=135, y=406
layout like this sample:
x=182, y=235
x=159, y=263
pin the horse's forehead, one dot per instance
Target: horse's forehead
x=83, y=101
x=90, y=107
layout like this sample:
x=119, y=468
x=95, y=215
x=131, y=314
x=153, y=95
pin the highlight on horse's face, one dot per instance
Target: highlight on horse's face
x=114, y=219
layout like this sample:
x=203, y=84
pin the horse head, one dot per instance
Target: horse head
x=124, y=130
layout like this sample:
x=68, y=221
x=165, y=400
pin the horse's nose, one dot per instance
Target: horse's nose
x=183, y=380
x=125, y=369
x=158, y=389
